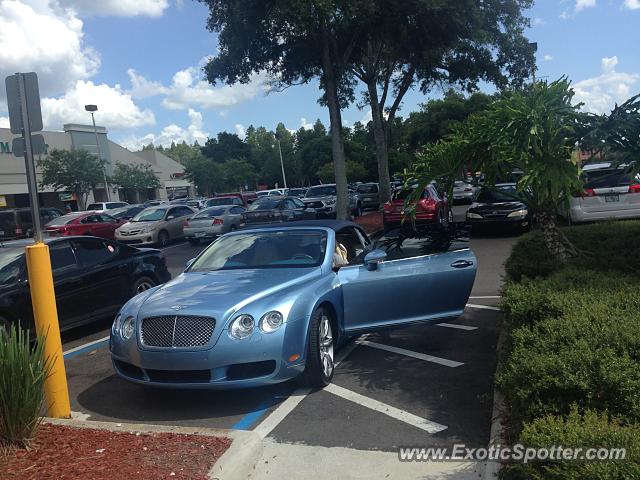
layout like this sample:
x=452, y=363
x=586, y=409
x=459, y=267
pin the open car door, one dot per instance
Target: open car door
x=384, y=292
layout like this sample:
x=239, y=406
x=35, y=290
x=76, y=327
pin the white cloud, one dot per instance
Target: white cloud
x=600, y=93
x=547, y=57
x=538, y=21
x=631, y=4
x=116, y=109
x=582, y=4
x=143, y=88
x=240, y=131
x=4, y=122
x=367, y=117
x=305, y=125
x=36, y=37
x=120, y=8
x=565, y=15
x=171, y=133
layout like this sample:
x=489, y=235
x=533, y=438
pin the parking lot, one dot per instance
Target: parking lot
x=421, y=385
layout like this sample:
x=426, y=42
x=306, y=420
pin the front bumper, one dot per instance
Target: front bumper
x=262, y=359
x=515, y=222
x=138, y=239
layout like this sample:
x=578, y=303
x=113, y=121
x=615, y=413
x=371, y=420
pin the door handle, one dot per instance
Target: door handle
x=461, y=264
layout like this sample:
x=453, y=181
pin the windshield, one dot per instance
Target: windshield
x=63, y=220
x=150, y=215
x=273, y=249
x=10, y=265
x=264, y=204
x=321, y=191
x=95, y=206
x=367, y=188
x=506, y=193
x=214, y=202
x=210, y=212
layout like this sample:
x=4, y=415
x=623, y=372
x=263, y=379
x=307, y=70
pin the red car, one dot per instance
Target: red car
x=83, y=223
x=432, y=208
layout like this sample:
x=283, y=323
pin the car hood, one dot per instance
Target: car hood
x=136, y=225
x=498, y=206
x=221, y=293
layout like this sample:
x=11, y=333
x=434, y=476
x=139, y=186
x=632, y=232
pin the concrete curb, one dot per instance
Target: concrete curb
x=235, y=464
x=496, y=435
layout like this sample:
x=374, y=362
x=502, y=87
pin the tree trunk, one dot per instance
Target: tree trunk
x=337, y=145
x=557, y=243
x=380, y=136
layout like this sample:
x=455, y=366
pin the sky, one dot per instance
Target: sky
x=141, y=62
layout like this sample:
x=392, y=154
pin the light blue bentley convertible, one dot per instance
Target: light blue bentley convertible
x=268, y=304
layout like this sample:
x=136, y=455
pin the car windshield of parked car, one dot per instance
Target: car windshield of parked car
x=214, y=202
x=264, y=203
x=210, y=212
x=150, y=215
x=64, y=220
x=507, y=193
x=367, y=189
x=95, y=206
x=322, y=191
x=273, y=249
x=296, y=191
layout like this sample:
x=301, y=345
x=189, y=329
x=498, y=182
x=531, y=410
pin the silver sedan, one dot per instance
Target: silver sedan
x=211, y=222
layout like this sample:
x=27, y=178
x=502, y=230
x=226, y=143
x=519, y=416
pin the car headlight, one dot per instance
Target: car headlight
x=518, y=213
x=330, y=201
x=116, y=324
x=271, y=321
x=241, y=327
x=473, y=215
x=128, y=327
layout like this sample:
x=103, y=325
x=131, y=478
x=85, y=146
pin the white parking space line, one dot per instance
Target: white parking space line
x=459, y=327
x=410, y=353
x=482, y=307
x=393, y=412
x=181, y=244
x=85, y=346
x=280, y=413
x=487, y=296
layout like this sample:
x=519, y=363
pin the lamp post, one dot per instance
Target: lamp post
x=91, y=109
x=284, y=178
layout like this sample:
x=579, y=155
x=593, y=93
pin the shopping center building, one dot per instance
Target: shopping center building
x=13, y=180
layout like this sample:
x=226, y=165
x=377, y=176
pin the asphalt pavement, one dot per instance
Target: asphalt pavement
x=421, y=385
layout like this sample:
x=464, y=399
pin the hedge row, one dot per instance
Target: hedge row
x=572, y=362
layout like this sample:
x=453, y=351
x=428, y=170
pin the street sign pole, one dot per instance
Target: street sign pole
x=29, y=161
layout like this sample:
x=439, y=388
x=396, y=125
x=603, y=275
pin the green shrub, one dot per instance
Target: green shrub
x=23, y=370
x=588, y=430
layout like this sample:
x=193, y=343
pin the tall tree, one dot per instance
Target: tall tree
x=238, y=174
x=294, y=41
x=205, y=174
x=428, y=42
x=134, y=178
x=75, y=171
x=225, y=147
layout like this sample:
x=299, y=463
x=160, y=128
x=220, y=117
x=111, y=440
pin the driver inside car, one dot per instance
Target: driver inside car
x=340, y=256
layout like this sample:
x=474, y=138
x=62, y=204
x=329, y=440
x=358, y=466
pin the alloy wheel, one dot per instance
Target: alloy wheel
x=325, y=339
x=144, y=285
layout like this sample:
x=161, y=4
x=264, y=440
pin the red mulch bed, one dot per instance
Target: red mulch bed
x=61, y=452
x=371, y=222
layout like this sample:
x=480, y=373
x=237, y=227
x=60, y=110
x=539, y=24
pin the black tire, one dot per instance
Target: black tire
x=142, y=284
x=318, y=371
x=163, y=238
x=194, y=241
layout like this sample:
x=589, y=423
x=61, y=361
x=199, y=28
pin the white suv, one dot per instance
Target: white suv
x=104, y=206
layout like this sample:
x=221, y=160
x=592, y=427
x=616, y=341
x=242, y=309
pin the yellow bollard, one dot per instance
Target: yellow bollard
x=43, y=299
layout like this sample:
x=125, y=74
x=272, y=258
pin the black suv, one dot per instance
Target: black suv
x=18, y=222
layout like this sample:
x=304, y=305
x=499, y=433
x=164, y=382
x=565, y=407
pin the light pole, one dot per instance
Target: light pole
x=284, y=178
x=91, y=109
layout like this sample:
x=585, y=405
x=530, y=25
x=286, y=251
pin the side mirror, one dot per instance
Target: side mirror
x=190, y=262
x=374, y=257
x=171, y=217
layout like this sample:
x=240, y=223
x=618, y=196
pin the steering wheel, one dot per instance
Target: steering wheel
x=302, y=256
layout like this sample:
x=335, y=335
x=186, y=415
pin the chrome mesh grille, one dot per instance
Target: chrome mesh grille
x=177, y=331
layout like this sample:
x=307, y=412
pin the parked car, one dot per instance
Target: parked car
x=155, y=203
x=499, y=206
x=432, y=208
x=83, y=223
x=269, y=304
x=369, y=194
x=609, y=193
x=297, y=192
x=126, y=213
x=104, y=206
x=18, y=223
x=212, y=222
x=273, y=191
x=272, y=209
x=223, y=200
x=323, y=199
x=155, y=225
x=463, y=191
x=92, y=277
